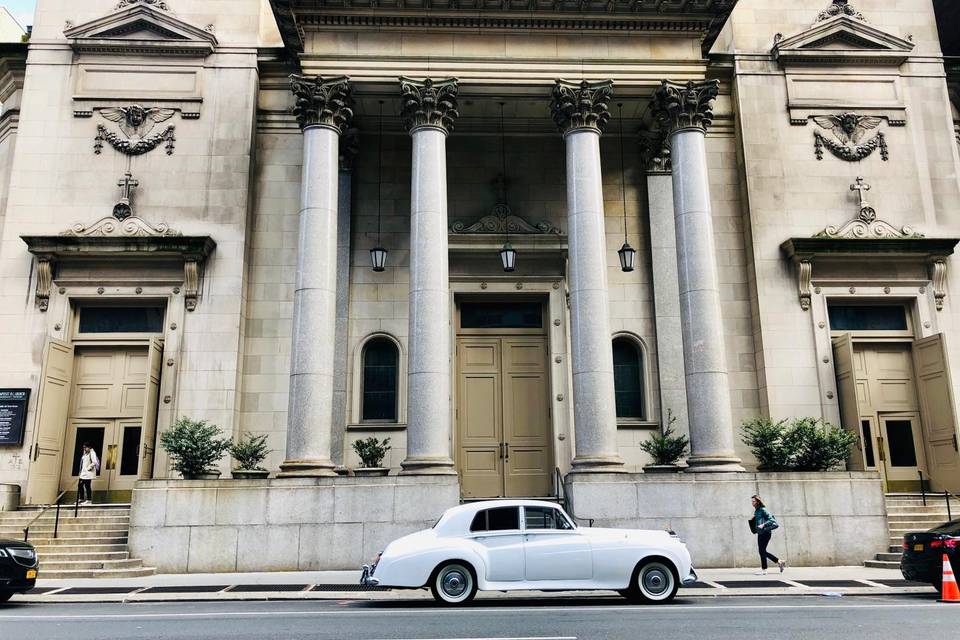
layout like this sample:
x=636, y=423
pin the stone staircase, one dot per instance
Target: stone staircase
x=91, y=545
x=905, y=514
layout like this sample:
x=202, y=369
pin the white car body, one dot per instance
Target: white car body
x=528, y=558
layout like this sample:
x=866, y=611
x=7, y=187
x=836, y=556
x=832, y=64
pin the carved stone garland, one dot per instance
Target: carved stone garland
x=136, y=123
x=683, y=106
x=322, y=102
x=581, y=105
x=840, y=8
x=429, y=103
x=849, y=129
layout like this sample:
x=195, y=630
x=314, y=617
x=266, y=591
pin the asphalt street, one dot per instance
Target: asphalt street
x=808, y=617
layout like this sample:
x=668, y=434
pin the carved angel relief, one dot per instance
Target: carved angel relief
x=849, y=129
x=137, y=124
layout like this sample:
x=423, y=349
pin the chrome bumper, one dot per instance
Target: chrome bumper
x=690, y=579
x=366, y=578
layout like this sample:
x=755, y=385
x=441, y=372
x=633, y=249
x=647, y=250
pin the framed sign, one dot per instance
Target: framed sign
x=13, y=415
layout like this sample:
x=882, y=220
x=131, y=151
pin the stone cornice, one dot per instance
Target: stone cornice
x=429, y=103
x=320, y=101
x=685, y=106
x=581, y=105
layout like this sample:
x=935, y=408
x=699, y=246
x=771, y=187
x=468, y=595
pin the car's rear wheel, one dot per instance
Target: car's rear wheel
x=654, y=581
x=453, y=583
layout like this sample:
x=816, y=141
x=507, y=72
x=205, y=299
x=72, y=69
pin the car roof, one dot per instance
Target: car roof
x=456, y=520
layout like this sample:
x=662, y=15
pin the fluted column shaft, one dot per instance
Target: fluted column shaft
x=429, y=110
x=322, y=110
x=685, y=112
x=580, y=113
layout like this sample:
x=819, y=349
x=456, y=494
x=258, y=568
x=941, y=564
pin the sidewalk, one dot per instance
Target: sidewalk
x=344, y=585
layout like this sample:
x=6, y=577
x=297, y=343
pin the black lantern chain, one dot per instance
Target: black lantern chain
x=508, y=255
x=378, y=255
x=627, y=253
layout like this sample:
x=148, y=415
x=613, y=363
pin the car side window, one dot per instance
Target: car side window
x=479, y=522
x=503, y=519
x=544, y=518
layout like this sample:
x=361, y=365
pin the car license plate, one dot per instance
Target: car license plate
x=918, y=547
x=31, y=574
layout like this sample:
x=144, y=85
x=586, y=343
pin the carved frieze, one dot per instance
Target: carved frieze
x=840, y=8
x=129, y=227
x=429, y=103
x=849, y=129
x=136, y=130
x=581, y=105
x=322, y=101
x=685, y=106
x=500, y=221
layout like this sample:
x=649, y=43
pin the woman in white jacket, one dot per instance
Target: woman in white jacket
x=89, y=466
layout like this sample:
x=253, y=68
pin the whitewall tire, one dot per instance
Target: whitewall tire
x=654, y=581
x=453, y=583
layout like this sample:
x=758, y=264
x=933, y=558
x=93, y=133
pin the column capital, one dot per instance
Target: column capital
x=349, y=148
x=581, y=105
x=654, y=152
x=678, y=106
x=322, y=101
x=429, y=103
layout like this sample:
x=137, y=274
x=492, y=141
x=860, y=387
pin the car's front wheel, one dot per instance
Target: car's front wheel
x=654, y=581
x=453, y=583
x=5, y=595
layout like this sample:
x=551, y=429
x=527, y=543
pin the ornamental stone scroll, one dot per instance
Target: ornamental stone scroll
x=321, y=101
x=429, y=103
x=581, y=105
x=679, y=106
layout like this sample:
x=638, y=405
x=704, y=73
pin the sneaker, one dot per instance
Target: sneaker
x=782, y=564
x=762, y=572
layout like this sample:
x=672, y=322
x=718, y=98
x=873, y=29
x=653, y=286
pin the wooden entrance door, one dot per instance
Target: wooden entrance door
x=503, y=416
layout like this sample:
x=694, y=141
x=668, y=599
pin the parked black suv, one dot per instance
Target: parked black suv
x=18, y=568
x=923, y=553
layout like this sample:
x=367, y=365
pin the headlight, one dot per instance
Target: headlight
x=3, y=552
x=23, y=554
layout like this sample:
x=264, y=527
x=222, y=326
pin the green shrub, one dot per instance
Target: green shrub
x=249, y=451
x=194, y=446
x=803, y=444
x=666, y=448
x=371, y=451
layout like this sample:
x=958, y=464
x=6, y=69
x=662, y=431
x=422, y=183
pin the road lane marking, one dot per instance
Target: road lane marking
x=435, y=612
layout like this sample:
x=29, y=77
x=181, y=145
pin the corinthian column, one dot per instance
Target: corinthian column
x=429, y=111
x=580, y=112
x=323, y=111
x=684, y=112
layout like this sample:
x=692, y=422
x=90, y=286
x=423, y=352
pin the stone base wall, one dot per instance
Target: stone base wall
x=289, y=524
x=825, y=518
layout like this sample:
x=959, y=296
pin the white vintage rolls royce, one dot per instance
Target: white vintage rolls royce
x=508, y=545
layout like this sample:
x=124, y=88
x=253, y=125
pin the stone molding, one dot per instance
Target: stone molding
x=685, y=106
x=168, y=35
x=429, y=103
x=581, y=105
x=322, y=101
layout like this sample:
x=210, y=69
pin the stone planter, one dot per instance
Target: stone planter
x=370, y=471
x=210, y=474
x=250, y=474
x=662, y=468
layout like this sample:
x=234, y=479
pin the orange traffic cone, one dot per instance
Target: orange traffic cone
x=950, y=592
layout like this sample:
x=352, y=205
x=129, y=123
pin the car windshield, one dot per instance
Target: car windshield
x=951, y=528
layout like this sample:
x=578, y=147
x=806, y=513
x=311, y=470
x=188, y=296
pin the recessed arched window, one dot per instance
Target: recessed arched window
x=379, y=392
x=628, y=382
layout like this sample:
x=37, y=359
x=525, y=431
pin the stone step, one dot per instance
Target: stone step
x=86, y=535
x=80, y=548
x=65, y=526
x=63, y=565
x=64, y=513
x=890, y=557
x=70, y=574
x=58, y=556
x=879, y=564
x=916, y=517
x=64, y=541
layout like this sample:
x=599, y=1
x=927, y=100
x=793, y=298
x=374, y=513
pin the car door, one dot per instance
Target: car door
x=553, y=549
x=498, y=531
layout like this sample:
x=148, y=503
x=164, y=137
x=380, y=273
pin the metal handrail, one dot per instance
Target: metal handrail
x=946, y=497
x=923, y=491
x=43, y=510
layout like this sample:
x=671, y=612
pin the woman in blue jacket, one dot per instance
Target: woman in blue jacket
x=766, y=523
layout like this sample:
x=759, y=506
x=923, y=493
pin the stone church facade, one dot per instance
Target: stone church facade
x=514, y=238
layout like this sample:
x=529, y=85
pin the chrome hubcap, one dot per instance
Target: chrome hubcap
x=454, y=583
x=656, y=580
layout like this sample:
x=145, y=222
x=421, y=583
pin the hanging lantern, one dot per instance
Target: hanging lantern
x=378, y=258
x=378, y=255
x=627, y=257
x=508, y=256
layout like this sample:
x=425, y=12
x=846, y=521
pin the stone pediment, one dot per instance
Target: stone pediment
x=141, y=29
x=843, y=40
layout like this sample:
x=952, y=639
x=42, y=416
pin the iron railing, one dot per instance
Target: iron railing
x=43, y=510
x=946, y=495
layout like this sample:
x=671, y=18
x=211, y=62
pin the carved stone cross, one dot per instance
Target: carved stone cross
x=867, y=213
x=122, y=210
